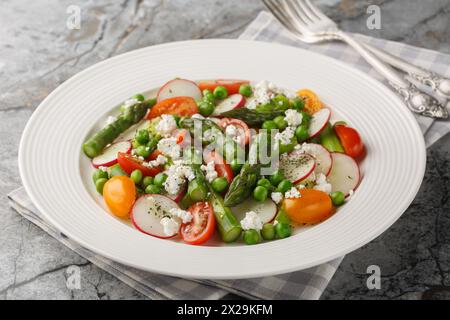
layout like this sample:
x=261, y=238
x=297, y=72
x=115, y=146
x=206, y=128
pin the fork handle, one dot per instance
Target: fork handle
x=417, y=101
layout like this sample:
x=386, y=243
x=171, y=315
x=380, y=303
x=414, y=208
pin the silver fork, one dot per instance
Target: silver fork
x=310, y=25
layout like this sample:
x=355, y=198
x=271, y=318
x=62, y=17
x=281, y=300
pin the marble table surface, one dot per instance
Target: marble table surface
x=38, y=52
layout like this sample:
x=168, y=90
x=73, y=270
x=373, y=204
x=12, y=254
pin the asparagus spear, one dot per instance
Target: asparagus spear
x=130, y=116
x=252, y=117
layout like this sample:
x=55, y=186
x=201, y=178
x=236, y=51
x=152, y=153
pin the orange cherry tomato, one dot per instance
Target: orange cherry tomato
x=312, y=102
x=232, y=86
x=312, y=207
x=350, y=140
x=119, y=194
x=180, y=106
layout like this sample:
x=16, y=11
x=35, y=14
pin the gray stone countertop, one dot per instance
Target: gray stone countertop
x=38, y=52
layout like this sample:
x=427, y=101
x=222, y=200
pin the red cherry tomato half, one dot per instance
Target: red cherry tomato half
x=223, y=169
x=241, y=127
x=129, y=163
x=202, y=226
x=350, y=140
x=232, y=86
x=180, y=106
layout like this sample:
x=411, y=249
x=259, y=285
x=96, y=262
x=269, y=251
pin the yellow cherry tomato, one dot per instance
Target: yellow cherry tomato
x=119, y=194
x=312, y=102
x=312, y=207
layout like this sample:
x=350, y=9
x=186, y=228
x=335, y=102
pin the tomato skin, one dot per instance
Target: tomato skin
x=225, y=122
x=232, y=86
x=312, y=102
x=350, y=140
x=199, y=231
x=223, y=169
x=180, y=106
x=312, y=207
x=119, y=194
x=128, y=163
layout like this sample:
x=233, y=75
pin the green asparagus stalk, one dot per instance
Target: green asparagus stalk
x=128, y=117
x=252, y=117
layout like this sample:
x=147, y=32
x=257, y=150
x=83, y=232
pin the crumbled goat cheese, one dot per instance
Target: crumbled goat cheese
x=251, y=221
x=322, y=184
x=286, y=136
x=169, y=147
x=265, y=91
x=185, y=216
x=276, y=197
x=176, y=177
x=103, y=168
x=234, y=133
x=210, y=171
x=212, y=134
x=293, y=118
x=170, y=225
x=166, y=125
x=159, y=161
x=293, y=193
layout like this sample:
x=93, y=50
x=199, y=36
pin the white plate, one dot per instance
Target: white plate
x=52, y=164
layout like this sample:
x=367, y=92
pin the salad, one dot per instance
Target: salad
x=249, y=161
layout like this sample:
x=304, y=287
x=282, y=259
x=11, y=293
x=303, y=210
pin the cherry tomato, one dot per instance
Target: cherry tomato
x=223, y=169
x=350, y=140
x=232, y=86
x=129, y=163
x=312, y=102
x=154, y=155
x=180, y=106
x=312, y=207
x=119, y=194
x=202, y=226
x=241, y=126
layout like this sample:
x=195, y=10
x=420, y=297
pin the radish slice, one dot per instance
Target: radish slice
x=148, y=211
x=266, y=210
x=324, y=161
x=235, y=101
x=345, y=174
x=179, y=88
x=177, y=198
x=319, y=122
x=109, y=155
x=297, y=166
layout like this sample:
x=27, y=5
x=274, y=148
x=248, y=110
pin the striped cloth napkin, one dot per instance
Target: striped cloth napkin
x=305, y=284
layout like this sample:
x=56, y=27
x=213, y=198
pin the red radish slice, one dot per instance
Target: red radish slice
x=177, y=198
x=324, y=161
x=345, y=174
x=297, y=166
x=266, y=210
x=319, y=122
x=179, y=88
x=148, y=211
x=109, y=155
x=235, y=101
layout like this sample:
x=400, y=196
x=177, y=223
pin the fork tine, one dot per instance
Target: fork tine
x=281, y=16
x=297, y=17
x=297, y=11
x=306, y=11
x=316, y=10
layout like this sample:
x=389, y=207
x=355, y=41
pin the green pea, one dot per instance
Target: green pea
x=206, y=92
x=246, y=90
x=220, y=92
x=208, y=96
x=143, y=151
x=142, y=137
x=338, y=198
x=147, y=181
x=136, y=176
x=280, y=122
x=286, y=148
x=284, y=186
x=152, y=189
x=260, y=194
x=139, y=97
x=99, y=184
x=283, y=230
x=302, y=133
x=281, y=102
x=99, y=174
x=236, y=166
x=268, y=231
x=269, y=125
x=206, y=108
x=252, y=237
x=159, y=180
x=297, y=103
x=220, y=184
x=306, y=119
x=276, y=177
x=265, y=183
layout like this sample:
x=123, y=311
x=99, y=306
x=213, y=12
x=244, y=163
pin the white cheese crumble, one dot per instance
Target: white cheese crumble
x=184, y=215
x=166, y=125
x=286, y=136
x=210, y=171
x=103, y=168
x=322, y=184
x=159, y=161
x=251, y=221
x=276, y=197
x=177, y=174
x=170, y=225
x=265, y=91
x=293, y=118
x=234, y=133
x=169, y=147
x=293, y=193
